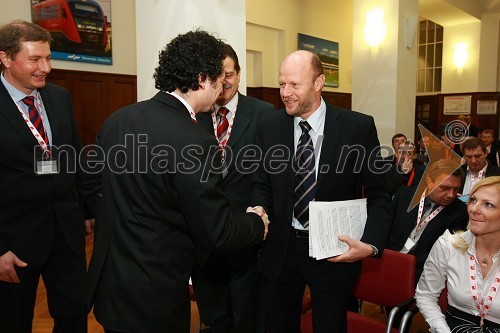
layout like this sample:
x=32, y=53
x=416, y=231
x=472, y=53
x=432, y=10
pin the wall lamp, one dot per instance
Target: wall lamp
x=460, y=55
x=375, y=28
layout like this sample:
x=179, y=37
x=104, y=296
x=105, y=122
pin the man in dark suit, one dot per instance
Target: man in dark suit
x=162, y=197
x=492, y=146
x=228, y=288
x=476, y=165
x=42, y=230
x=344, y=154
x=416, y=231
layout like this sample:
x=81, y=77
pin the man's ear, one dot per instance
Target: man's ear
x=201, y=83
x=429, y=182
x=319, y=83
x=5, y=59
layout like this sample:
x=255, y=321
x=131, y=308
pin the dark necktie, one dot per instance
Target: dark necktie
x=305, y=176
x=222, y=123
x=428, y=209
x=34, y=117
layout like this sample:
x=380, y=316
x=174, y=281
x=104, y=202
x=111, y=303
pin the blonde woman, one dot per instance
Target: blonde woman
x=467, y=263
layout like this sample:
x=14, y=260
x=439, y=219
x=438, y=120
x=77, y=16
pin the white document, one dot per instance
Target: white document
x=328, y=220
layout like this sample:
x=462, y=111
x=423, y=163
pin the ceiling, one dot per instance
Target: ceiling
x=453, y=12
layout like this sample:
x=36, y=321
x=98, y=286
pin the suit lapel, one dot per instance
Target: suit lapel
x=52, y=114
x=11, y=114
x=242, y=120
x=329, y=141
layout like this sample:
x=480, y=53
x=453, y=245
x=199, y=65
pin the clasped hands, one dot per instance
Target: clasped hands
x=259, y=210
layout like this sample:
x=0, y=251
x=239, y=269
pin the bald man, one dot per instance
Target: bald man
x=339, y=164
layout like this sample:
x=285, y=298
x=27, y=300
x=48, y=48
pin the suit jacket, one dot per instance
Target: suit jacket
x=238, y=181
x=492, y=156
x=452, y=217
x=491, y=170
x=30, y=205
x=152, y=222
x=342, y=176
x=237, y=184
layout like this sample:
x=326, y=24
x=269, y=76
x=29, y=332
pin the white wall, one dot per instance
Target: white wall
x=465, y=80
x=383, y=78
x=488, y=53
x=123, y=36
x=158, y=22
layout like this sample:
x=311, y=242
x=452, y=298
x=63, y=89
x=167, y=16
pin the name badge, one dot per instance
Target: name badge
x=46, y=167
x=409, y=244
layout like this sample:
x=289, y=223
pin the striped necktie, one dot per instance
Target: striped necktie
x=305, y=175
x=35, y=118
x=222, y=124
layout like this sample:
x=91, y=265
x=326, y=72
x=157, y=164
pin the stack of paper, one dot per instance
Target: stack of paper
x=328, y=220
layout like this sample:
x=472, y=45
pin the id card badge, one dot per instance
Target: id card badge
x=46, y=167
x=409, y=244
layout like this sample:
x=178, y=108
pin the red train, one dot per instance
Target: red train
x=75, y=25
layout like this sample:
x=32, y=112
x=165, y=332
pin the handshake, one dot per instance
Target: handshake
x=259, y=210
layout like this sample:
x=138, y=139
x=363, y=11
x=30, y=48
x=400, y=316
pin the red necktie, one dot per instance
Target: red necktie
x=34, y=117
x=223, y=123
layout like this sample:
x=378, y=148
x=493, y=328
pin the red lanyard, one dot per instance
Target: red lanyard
x=483, y=304
x=432, y=215
x=32, y=128
x=225, y=139
x=412, y=175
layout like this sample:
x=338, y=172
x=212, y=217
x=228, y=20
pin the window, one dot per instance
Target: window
x=430, y=57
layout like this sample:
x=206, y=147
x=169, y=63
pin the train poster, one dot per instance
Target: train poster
x=80, y=29
x=328, y=53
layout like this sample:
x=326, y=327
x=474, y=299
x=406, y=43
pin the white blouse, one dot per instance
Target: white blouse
x=446, y=264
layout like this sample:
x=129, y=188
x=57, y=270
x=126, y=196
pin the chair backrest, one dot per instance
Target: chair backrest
x=388, y=280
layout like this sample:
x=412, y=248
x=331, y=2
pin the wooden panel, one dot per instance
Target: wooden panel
x=95, y=96
x=91, y=106
x=124, y=93
x=481, y=121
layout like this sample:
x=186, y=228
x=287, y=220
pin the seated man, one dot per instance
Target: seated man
x=407, y=171
x=415, y=231
x=476, y=165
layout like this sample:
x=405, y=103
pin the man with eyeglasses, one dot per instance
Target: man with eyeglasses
x=415, y=231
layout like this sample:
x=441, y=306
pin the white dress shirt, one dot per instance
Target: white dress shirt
x=317, y=122
x=447, y=264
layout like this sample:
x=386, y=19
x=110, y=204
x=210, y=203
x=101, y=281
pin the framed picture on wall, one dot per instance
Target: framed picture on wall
x=80, y=29
x=453, y=105
x=328, y=53
x=486, y=107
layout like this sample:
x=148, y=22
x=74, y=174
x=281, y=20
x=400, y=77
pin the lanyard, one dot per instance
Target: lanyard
x=473, y=179
x=33, y=129
x=225, y=139
x=432, y=215
x=410, y=179
x=483, y=304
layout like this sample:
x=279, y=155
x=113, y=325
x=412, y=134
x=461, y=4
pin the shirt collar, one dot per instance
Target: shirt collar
x=470, y=239
x=315, y=120
x=183, y=101
x=15, y=93
x=483, y=170
x=231, y=105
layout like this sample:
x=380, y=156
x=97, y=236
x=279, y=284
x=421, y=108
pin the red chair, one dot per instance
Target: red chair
x=388, y=281
x=442, y=302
